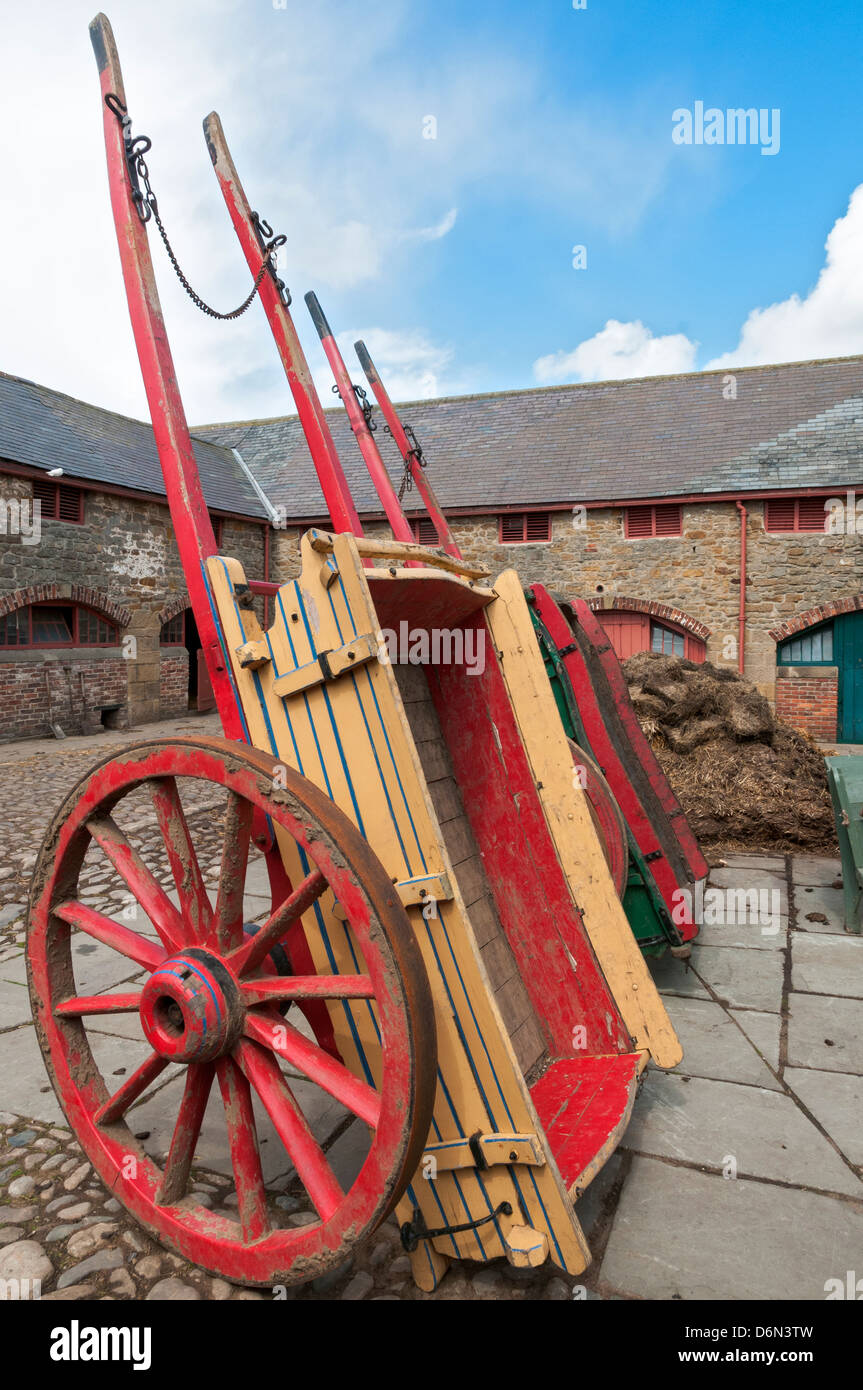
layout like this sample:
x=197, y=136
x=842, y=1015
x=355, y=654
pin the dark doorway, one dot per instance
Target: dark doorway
x=193, y=646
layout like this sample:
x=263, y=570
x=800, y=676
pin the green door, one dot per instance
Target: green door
x=849, y=658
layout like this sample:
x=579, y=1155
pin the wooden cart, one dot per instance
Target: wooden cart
x=446, y=956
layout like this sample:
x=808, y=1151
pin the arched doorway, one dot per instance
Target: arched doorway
x=829, y=650
x=640, y=625
x=181, y=630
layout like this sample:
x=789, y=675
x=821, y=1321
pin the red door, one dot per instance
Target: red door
x=628, y=632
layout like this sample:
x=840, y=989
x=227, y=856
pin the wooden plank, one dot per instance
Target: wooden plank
x=680, y=827
x=569, y=820
x=352, y=738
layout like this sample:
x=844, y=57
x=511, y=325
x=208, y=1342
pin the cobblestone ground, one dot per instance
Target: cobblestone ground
x=58, y=1223
x=770, y=1093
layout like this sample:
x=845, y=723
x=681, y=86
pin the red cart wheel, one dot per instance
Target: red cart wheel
x=210, y=1001
x=606, y=814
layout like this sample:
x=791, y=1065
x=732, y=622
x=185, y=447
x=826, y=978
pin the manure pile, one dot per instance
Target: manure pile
x=745, y=779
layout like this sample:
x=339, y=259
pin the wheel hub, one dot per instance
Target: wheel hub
x=191, y=1009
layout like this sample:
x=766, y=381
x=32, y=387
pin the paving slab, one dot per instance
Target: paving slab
x=713, y=1045
x=14, y=1004
x=704, y=1122
x=673, y=976
x=763, y=1031
x=814, y=903
x=348, y=1153
x=742, y=978
x=25, y=1086
x=836, y=1101
x=97, y=968
x=814, y=869
x=591, y=1206
x=827, y=965
x=772, y=863
x=754, y=1240
x=770, y=888
x=746, y=935
x=825, y=1033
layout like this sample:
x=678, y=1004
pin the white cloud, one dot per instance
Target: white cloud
x=325, y=120
x=619, y=350
x=435, y=233
x=827, y=322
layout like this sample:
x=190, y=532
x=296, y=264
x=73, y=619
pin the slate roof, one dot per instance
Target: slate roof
x=797, y=425
x=49, y=430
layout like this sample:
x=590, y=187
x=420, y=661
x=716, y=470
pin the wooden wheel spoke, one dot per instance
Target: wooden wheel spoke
x=291, y=1125
x=195, y=904
x=249, y=956
x=190, y=1117
x=114, y=934
x=86, y=1004
x=332, y=1076
x=134, y=872
x=245, y=1158
x=228, y=917
x=269, y=990
x=115, y=1108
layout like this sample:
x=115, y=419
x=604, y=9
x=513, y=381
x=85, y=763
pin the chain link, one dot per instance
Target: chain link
x=147, y=204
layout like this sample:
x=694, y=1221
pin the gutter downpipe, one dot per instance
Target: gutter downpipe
x=741, y=622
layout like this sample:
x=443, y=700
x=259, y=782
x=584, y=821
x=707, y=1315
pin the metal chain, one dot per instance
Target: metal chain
x=146, y=204
x=415, y=452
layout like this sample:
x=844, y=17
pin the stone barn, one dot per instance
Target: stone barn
x=716, y=515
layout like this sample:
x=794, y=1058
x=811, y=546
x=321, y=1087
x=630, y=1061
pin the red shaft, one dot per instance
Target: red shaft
x=418, y=473
x=192, y=526
x=337, y=495
x=368, y=448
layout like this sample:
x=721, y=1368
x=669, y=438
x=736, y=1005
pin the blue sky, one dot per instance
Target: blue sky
x=453, y=255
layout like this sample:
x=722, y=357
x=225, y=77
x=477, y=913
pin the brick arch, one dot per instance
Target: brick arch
x=663, y=612
x=178, y=604
x=813, y=616
x=66, y=593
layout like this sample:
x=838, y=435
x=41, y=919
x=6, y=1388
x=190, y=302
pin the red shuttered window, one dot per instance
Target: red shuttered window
x=795, y=514
x=58, y=502
x=424, y=531
x=665, y=519
x=520, y=528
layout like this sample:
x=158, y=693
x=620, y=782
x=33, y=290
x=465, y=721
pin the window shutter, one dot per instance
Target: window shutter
x=512, y=526
x=69, y=504
x=45, y=493
x=537, y=526
x=639, y=522
x=779, y=514
x=424, y=531
x=668, y=520
x=811, y=514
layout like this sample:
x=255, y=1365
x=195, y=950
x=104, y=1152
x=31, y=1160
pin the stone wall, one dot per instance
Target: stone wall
x=125, y=556
x=697, y=574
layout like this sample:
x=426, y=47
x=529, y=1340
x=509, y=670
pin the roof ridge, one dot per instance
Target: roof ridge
x=618, y=382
